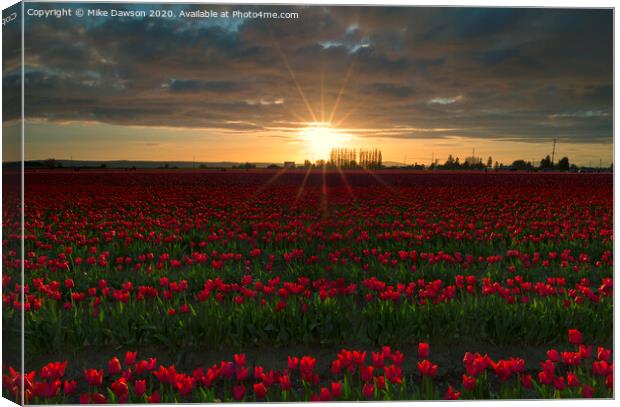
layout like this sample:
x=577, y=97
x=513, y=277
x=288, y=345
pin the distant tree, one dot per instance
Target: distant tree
x=521, y=165
x=490, y=162
x=50, y=163
x=273, y=166
x=545, y=163
x=103, y=166
x=307, y=164
x=563, y=164
x=496, y=165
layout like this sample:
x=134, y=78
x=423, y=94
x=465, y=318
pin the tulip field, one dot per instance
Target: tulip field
x=294, y=285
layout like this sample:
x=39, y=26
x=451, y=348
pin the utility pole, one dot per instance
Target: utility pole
x=553, y=153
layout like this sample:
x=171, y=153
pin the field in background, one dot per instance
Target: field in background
x=192, y=267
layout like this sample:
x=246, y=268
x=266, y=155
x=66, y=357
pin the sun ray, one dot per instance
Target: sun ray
x=341, y=92
x=322, y=95
x=294, y=79
x=354, y=109
x=270, y=181
x=300, y=191
x=297, y=116
x=346, y=116
x=324, y=194
x=380, y=180
x=346, y=183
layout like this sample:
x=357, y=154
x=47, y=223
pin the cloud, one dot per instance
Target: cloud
x=514, y=74
x=445, y=100
x=588, y=113
x=191, y=85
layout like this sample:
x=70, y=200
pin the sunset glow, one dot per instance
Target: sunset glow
x=319, y=139
x=391, y=79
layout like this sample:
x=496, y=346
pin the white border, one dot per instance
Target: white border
x=480, y=3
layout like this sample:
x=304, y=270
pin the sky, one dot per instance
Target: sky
x=418, y=83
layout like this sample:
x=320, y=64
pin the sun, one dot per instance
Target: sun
x=320, y=138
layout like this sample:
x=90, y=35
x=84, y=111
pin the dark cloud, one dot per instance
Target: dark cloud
x=389, y=89
x=190, y=85
x=500, y=73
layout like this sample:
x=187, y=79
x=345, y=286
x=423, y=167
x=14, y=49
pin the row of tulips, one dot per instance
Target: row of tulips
x=420, y=291
x=89, y=222
x=90, y=258
x=353, y=375
x=217, y=316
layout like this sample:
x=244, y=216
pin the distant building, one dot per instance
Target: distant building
x=289, y=164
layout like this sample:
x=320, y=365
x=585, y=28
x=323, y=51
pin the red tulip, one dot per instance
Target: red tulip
x=285, y=382
x=545, y=378
x=380, y=382
x=259, y=390
x=378, y=360
x=325, y=394
x=98, y=398
x=335, y=369
x=139, y=387
x=423, y=350
x=293, y=362
x=575, y=337
x=398, y=358
x=94, y=377
x=587, y=391
x=469, y=383
x=603, y=354
x=336, y=389
x=451, y=394
x=553, y=355
x=240, y=359
x=69, y=387
x=368, y=390
x=120, y=388
x=394, y=374
x=130, y=358
x=426, y=368
x=241, y=373
x=366, y=373
x=239, y=392
x=572, y=380
x=558, y=383
x=526, y=381
x=114, y=366
x=153, y=398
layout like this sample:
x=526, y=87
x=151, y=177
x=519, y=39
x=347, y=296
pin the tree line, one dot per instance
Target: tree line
x=349, y=158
